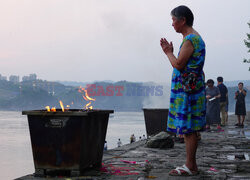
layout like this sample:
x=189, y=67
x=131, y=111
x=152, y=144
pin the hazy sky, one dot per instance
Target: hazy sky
x=87, y=40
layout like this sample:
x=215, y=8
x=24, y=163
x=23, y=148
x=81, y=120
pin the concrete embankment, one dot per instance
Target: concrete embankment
x=220, y=155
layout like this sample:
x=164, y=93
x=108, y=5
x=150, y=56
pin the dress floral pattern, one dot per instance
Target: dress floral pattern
x=187, y=111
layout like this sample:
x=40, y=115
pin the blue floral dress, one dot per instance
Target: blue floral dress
x=187, y=111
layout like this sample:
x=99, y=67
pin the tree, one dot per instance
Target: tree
x=247, y=43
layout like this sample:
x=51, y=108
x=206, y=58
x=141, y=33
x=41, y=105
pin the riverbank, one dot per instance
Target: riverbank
x=220, y=155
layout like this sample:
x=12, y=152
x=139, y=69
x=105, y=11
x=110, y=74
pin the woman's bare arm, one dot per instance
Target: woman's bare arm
x=186, y=51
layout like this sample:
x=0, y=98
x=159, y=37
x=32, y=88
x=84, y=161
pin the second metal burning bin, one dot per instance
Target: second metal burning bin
x=155, y=120
x=67, y=143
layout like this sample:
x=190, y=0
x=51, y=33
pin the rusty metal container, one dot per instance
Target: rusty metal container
x=67, y=143
x=155, y=120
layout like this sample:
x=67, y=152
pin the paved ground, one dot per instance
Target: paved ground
x=220, y=155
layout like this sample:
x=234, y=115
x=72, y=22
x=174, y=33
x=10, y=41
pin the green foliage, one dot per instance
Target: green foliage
x=247, y=43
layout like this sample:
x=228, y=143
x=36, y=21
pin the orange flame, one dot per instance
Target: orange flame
x=87, y=105
x=61, y=104
x=48, y=108
x=89, y=98
x=86, y=97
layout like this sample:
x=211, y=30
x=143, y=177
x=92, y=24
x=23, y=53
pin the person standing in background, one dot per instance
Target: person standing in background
x=223, y=99
x=213, y=105
x=240, y=107
x=132, y=138
x=119, y=143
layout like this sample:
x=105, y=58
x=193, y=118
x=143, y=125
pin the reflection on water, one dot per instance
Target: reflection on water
x=244, y=156
x=15, y=147
x=247, y=134
x=240, y=133
x=231, y=157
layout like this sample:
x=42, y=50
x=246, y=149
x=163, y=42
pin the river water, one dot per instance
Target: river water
x=15, y=147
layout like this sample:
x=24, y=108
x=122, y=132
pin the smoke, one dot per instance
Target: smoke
x=160, y=101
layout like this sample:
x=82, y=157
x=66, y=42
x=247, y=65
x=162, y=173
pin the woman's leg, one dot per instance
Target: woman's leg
x=243, y=119
x=239, y=119
x=191, y=142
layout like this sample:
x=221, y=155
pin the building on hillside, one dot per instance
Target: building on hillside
x=14, y=79
x=31, y=77
x=25, y=78
x=3, y=77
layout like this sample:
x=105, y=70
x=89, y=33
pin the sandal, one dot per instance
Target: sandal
x=182, y=171
x=220, y=130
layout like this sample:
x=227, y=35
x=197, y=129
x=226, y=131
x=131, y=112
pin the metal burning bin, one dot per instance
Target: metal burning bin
x=155, y=120
x=67, y=143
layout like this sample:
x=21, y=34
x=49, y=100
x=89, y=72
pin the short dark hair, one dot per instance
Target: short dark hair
x=220, y=79
x=183, y=12
x=240, y=83
x=210, y=81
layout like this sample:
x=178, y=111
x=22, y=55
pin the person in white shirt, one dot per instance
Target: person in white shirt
x=134, y=138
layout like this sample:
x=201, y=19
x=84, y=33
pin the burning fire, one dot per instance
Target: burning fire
x=48, y=108
x=85, y=96
x=61, y=104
